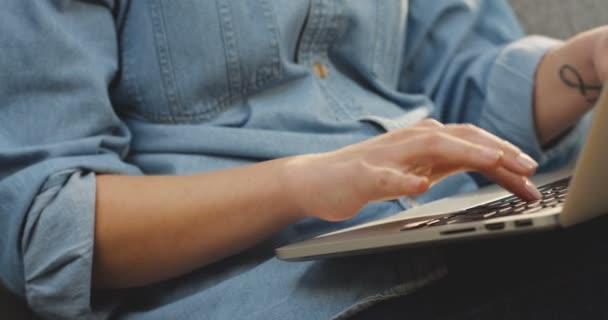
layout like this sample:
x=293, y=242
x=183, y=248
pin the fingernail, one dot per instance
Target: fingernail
x=491, y=154
x=526, y=162
x=532, y=190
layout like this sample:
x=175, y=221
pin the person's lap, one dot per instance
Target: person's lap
x=556, y=275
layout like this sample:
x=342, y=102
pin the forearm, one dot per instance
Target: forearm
x=566, y=85
x=150, y=228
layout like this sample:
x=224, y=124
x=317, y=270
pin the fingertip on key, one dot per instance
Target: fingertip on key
x=532, y=191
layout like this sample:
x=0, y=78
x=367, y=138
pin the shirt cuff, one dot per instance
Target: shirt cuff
x=509, y=109
x=58, y=246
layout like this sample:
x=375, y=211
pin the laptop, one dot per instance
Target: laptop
x=570, y=196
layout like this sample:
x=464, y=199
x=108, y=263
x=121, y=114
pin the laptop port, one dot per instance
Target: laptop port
x=495, y=226
x=455, y=231
x=523, y=223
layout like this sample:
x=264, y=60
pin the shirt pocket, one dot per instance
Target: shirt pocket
x=187, y=61
x=374, y=39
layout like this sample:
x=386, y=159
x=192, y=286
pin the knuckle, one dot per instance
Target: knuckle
x=401, y=133
x=470, y=129
x=395, y=133
x=484, y=163
x=506, y=145
x=434, y=142
x=432, y=138
x=431, y=122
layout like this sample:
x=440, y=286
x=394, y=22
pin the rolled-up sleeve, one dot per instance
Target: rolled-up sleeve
x=58, y=130
x=509, y=105
x=478, y=67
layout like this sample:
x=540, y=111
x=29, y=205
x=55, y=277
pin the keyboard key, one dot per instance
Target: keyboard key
x=518, y=210
x=554, y=194
x=532, y=210
x=414, y=225
x=550, y=203
x=490, y=214
x=519, y=204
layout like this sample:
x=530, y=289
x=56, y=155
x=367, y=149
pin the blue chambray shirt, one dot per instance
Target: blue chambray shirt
x=178, y=87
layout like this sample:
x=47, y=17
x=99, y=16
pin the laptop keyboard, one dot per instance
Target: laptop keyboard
x=554, y=195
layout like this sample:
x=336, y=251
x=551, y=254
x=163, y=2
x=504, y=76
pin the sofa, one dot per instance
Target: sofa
x=556, y=18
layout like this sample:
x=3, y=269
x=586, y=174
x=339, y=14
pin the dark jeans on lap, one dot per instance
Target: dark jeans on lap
x=552, y=275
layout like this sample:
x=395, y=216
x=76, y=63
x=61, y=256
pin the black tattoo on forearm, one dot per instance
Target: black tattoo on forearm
x=573, y=79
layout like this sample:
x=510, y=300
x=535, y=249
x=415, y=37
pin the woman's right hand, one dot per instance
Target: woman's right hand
x=209, y=216
x=336, y=185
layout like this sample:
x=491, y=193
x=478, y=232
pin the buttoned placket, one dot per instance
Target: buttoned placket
x=322, y=27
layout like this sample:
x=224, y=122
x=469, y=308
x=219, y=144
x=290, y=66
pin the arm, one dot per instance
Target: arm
x=168, y=225
x=57, y=129
x=568, y=82
x=70, y=203
x=476, y=64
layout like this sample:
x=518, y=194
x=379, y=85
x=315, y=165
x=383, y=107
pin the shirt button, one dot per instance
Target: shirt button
x=320, y=70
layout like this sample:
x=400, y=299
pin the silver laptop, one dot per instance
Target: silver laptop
x=570, y=196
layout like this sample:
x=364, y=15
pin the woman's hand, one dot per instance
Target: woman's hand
x=335, y=185
x=568, y=82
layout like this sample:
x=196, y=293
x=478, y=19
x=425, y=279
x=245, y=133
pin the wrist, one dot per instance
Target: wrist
x=565, y=86
x=577, y=70
x=321, y=186
x=294, y=181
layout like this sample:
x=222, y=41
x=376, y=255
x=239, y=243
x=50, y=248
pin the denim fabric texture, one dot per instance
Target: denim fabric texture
x=180, y=87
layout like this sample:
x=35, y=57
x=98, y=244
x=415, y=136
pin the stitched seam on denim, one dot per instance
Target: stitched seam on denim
x=174, y=95
x=338, y=85
x=233, y=67
x=336, y=112
x=128, y=77
x=129, y=80
x=399, y=290
x=344, y=101
x=332, y=18
x=386, y=49
x=328, y=18
x=324, y=34
x=215, y=106
x=376, y=66
x=162, y=48
x=315, y=22
x=275, y=62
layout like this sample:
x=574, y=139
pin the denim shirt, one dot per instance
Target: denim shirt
x=178, y=87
